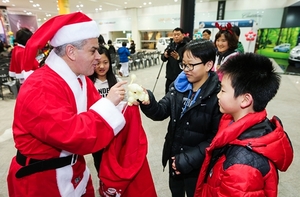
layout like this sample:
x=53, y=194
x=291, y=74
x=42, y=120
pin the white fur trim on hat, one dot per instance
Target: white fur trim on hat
x=75, y=32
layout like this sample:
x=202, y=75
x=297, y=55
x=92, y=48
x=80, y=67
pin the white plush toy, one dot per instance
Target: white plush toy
x=136, y=92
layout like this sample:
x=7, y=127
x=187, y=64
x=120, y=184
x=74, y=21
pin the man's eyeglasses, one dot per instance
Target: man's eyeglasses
x=189, y=67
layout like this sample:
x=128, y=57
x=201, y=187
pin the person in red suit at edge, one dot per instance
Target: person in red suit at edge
x=248, y=149
x=15, y=67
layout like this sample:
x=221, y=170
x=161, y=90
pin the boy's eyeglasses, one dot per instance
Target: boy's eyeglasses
x=189, y=67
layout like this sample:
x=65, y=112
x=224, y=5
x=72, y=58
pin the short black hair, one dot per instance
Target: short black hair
x=201, y=48
x=254, y=74
x=207, y=31
x=109, y=42
x=236, y=30
x=178, y=29
x=23, y=35
x=124, y=44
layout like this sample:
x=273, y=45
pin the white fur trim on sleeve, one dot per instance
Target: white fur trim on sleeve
x=110, y=113
x=11, y=74
x=26, y=73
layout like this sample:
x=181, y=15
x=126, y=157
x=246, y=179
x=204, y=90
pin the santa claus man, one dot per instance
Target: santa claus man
x=59, y=116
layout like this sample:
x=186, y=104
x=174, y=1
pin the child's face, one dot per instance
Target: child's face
x=103, y=66
x=198, y=73
x=222, y=44
x=206, y=36
x=227, y=102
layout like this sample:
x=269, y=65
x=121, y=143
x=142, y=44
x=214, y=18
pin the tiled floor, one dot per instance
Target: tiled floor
x=286, y=105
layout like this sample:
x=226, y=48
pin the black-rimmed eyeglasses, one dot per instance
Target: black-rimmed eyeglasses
x=189, y=67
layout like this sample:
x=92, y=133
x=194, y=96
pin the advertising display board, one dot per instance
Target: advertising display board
x=247, y=27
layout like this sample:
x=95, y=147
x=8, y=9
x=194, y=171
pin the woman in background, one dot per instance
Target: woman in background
x=226, y=43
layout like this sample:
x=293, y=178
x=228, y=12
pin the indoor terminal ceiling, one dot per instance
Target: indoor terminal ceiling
x=45, y=9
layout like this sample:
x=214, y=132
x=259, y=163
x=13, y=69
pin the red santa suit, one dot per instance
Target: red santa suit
x=28, y=69
x=16, y=60
x=124, y=169
x=55, y=117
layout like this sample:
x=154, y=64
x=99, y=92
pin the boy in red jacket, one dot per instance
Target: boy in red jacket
x=248, y=149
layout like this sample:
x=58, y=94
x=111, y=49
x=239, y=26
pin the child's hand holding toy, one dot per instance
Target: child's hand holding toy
x=136, y=92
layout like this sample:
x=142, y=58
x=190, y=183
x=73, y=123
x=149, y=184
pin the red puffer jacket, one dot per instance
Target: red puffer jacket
x=244, y=157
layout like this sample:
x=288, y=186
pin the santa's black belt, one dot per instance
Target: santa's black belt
x=35, y=165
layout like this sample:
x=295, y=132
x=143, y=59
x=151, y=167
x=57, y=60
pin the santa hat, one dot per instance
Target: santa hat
x=59, y=30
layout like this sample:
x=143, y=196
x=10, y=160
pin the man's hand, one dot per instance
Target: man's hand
x=117, y=93
x=166, y=54
x=175, y=55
